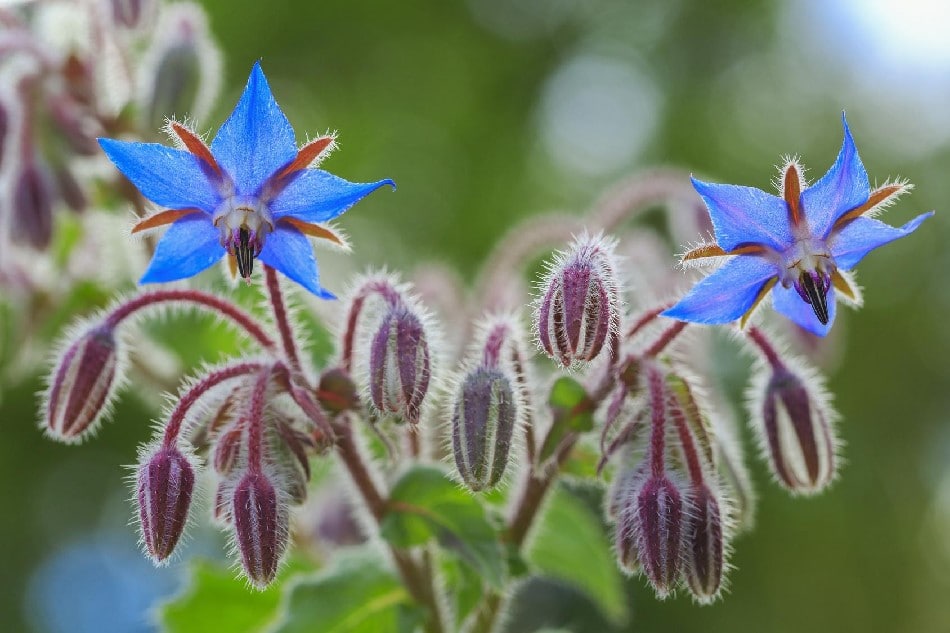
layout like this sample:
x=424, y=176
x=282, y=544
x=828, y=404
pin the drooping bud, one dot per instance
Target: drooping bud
x=33, y=195
x=399, y=363
x=164, y=487
x=580, y=304
x=261, y=526
x=82, y=386
x=622, y=507
x=483, y=420
x=703, y=544
x=797, y=433
x=181, y=73
x=659, y=517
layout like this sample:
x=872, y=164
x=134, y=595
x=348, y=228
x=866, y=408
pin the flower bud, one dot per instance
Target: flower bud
x=580, y=304
x=261, y=525
x=703, y=544
x=227, y=448
x=659, y=517
x=337, y=392
x=164, y=486
x=483, y=422
x=221, y=510
x=399, y=363
x=622, y=506
x=33, y=195
x=130, y=13
x=83, y=385
x=797, y=434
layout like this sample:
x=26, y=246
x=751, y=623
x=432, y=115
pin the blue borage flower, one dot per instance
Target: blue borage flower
x=798, y=246
x=250, y=195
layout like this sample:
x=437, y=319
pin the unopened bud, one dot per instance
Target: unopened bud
x=33, y=195
x=82, y=386
x=130, y=13
x=337, y=392
x=483, y=422
x=797, y=433
x=660, y=521
x=164, y=487
x=227, y=448
x=399, y=363
x=182, y=71
x=261, y=524
x=703, y=544
x=580, y=304
x=622, y=506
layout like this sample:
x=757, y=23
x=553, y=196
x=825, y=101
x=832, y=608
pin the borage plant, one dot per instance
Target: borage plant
x=457, y=475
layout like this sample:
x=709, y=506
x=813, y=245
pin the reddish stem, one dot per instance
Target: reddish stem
x=190, y=397
x=645, y=320
x=281, y=317
x=255, y=427
x=665, y=339
x=195, y=297
x=658, y=430
x=768, y=350
x=693, y=463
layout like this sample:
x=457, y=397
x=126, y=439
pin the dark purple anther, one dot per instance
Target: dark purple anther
x=82, y=385
x=399, y=364
x=812, y=287
x=580, y=304
x=483, y=422
x=164, y=487
x=261, y=525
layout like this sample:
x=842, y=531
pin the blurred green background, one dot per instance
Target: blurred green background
x=487, y=111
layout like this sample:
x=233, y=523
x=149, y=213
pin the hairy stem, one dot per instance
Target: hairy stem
x=203, y=300
x=768, y=350
x=281, y=317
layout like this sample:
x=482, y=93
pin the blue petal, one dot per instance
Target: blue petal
x=843, y=188
x=862, y=235
x=257, y=139
x=745, y=215
x=317, y=196
x=169, y=177
x=788, y=302
x=725, y=295
x=189, y=246
x=289, y=251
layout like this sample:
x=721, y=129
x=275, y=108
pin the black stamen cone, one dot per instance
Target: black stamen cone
x=244, y=253
x=817, y=294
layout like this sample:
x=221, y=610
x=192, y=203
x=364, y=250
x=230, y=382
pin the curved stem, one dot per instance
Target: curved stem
x=255, y=428
x=642, y=191
x=665, y=339
x=768, y=350
x=190, y=397
x=281, y=317
x=199, y=299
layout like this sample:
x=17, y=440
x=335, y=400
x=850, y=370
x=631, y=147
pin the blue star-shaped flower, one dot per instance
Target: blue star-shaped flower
x=251, y=195
x=799, y=246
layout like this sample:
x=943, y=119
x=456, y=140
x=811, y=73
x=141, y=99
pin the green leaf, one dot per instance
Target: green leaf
x=572, y=546
x=466, y=588
x=572, y=410
x=425, y=504
x=216, y=600
x=356, y=594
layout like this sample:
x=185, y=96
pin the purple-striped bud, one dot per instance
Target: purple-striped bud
x=483, y=421
x=164, y=487
x=580, y=304
x=261, y=525
x=33, y=193
x=399, y=363
x=659, y=518
x=622, y=506
x=82, y=386
x=703, y=544
x=797, y=433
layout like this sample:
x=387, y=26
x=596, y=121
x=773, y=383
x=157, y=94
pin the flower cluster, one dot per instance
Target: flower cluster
x=677, y=490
